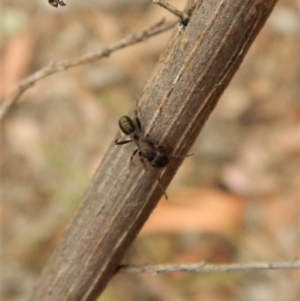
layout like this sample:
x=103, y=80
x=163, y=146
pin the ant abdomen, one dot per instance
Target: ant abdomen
x=161, y=158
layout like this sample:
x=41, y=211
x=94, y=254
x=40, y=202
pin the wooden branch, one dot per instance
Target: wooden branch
x=204, y=267
x=194, y=70
x=62, y=65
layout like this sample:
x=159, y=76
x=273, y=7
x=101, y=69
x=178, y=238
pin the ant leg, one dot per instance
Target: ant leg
x=118, y=142
x=185, y=156
x=132, y=156
x=143, y=161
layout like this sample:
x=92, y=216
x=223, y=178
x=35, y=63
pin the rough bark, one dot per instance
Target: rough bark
x=195, y=68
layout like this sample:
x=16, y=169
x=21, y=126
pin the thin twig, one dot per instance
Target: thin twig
x=181, y=15
x=203, y=267
x=58, y=66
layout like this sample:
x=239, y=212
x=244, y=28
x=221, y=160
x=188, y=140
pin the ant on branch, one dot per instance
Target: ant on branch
x=155, y=155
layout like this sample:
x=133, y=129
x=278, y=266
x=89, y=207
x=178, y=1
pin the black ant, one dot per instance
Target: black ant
x=154, y=154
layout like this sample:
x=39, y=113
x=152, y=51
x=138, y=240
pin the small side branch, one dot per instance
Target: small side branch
x=204, y=267
x=181, y=15
x=58, y=66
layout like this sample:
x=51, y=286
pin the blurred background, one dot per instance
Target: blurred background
x=235, y=200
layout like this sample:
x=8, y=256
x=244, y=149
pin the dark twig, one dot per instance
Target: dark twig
x=204, y=267
x=58, y=66
x=181, y=15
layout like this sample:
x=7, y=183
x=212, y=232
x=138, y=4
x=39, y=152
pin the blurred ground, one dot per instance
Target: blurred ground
x=235, y=200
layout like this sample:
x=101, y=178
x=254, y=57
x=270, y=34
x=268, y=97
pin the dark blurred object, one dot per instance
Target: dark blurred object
x=55, y=3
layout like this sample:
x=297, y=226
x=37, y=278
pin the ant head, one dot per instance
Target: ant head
x=126, y=125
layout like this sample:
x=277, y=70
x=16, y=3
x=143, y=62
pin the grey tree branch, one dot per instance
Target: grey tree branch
x=194, y=70
x=62, y=65
x=204, y=267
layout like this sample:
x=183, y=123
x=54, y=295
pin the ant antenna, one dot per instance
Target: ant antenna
x=161, y=187
x=184, y=156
